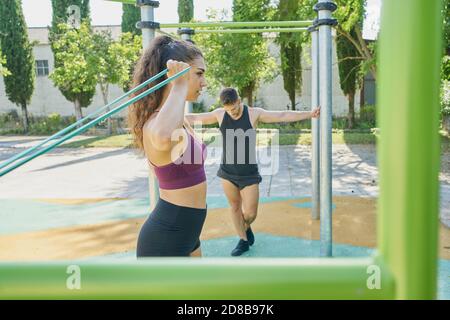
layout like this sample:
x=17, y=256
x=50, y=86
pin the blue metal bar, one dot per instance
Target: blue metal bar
x=93, y=122
x=73, y=125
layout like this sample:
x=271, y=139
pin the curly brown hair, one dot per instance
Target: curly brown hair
x=153, y=61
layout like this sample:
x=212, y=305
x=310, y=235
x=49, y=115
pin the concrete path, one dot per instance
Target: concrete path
x=122, y=173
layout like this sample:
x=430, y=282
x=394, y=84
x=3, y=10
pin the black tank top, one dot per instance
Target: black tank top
x=239, y=145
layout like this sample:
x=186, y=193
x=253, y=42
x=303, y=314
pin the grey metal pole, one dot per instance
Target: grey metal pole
x=315, y=125
x=148, y=26
x=147, y=23
x=324, y=22
x=185, y=34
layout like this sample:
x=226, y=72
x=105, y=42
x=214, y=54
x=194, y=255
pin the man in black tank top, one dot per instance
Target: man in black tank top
x=239, y=169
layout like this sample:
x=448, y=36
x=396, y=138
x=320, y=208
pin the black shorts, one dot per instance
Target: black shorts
x=171, y=231
x=240, y=181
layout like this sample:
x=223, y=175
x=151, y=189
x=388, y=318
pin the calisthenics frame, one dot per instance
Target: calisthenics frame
x=408, y=158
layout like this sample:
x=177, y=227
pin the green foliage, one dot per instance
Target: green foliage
x=253, y=10
x=16, y=48
x=105, y=63
x=349, y=63
x=445, y=68
x=126, y=53
x=88, y=58
x=239, y=60
x=3, y=70
x=9, y=117
x=76, y=73
x=39, y=125
x=291, y=44
x=198, y=107
x=367, y=115
x=369, y=62
x=130, y=15
x=114, y=59
x=185, y=10
x=60, y=14
x=18, y=51
x=47, y=125
x=445, y=98
x=446, y=27
x=59, y=27
x=350, y=15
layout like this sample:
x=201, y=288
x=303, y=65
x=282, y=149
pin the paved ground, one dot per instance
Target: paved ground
x=102, y=230
x=122, y=173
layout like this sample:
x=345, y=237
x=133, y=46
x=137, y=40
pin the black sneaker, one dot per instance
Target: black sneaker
x=250, y=236
x=241, y=247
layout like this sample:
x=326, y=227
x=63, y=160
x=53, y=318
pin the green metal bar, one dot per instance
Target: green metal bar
x=187, y=278
x=73, y=125
x=259, y=30
x=92, y=123
x=172, y=35
x=408, y=100
x=232, y=24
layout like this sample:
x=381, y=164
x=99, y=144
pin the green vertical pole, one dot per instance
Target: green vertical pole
x=408, y=115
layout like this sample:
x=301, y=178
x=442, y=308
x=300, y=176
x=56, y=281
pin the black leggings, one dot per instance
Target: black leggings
x=170, y=231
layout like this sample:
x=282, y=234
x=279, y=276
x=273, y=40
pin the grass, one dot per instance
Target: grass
x=115, y=141
x=211, y=138
x=264, y=137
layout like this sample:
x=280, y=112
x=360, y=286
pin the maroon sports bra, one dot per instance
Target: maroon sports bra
x=187, y=171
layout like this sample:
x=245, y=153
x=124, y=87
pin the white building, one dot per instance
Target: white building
x=48, y=99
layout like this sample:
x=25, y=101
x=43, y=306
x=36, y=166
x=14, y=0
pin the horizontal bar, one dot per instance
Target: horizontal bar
x=259, y=30
x=187, y=278
x=73, y=125
x=172, y=35
x=92, y=123
x=232, y=24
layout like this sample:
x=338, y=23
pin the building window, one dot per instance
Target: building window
x=42, y=67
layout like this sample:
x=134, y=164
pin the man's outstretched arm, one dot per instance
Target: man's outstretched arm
x=266, y=116
x=202, y=118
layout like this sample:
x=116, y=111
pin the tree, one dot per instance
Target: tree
x=16, y=47
x=350, y=15
x=60, y=18
x=446, y=26
x=185, y=10
x=113, y=60
x=445, y=68
x=61, y=13
x=239, y=60
x=254, y=47
x=76, y=73
x=291, y=44
x=127, y=51
x=130, y=16
x=349, y=64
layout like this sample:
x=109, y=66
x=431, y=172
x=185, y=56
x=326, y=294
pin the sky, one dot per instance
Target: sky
x=110, y=13
x=38, y=13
